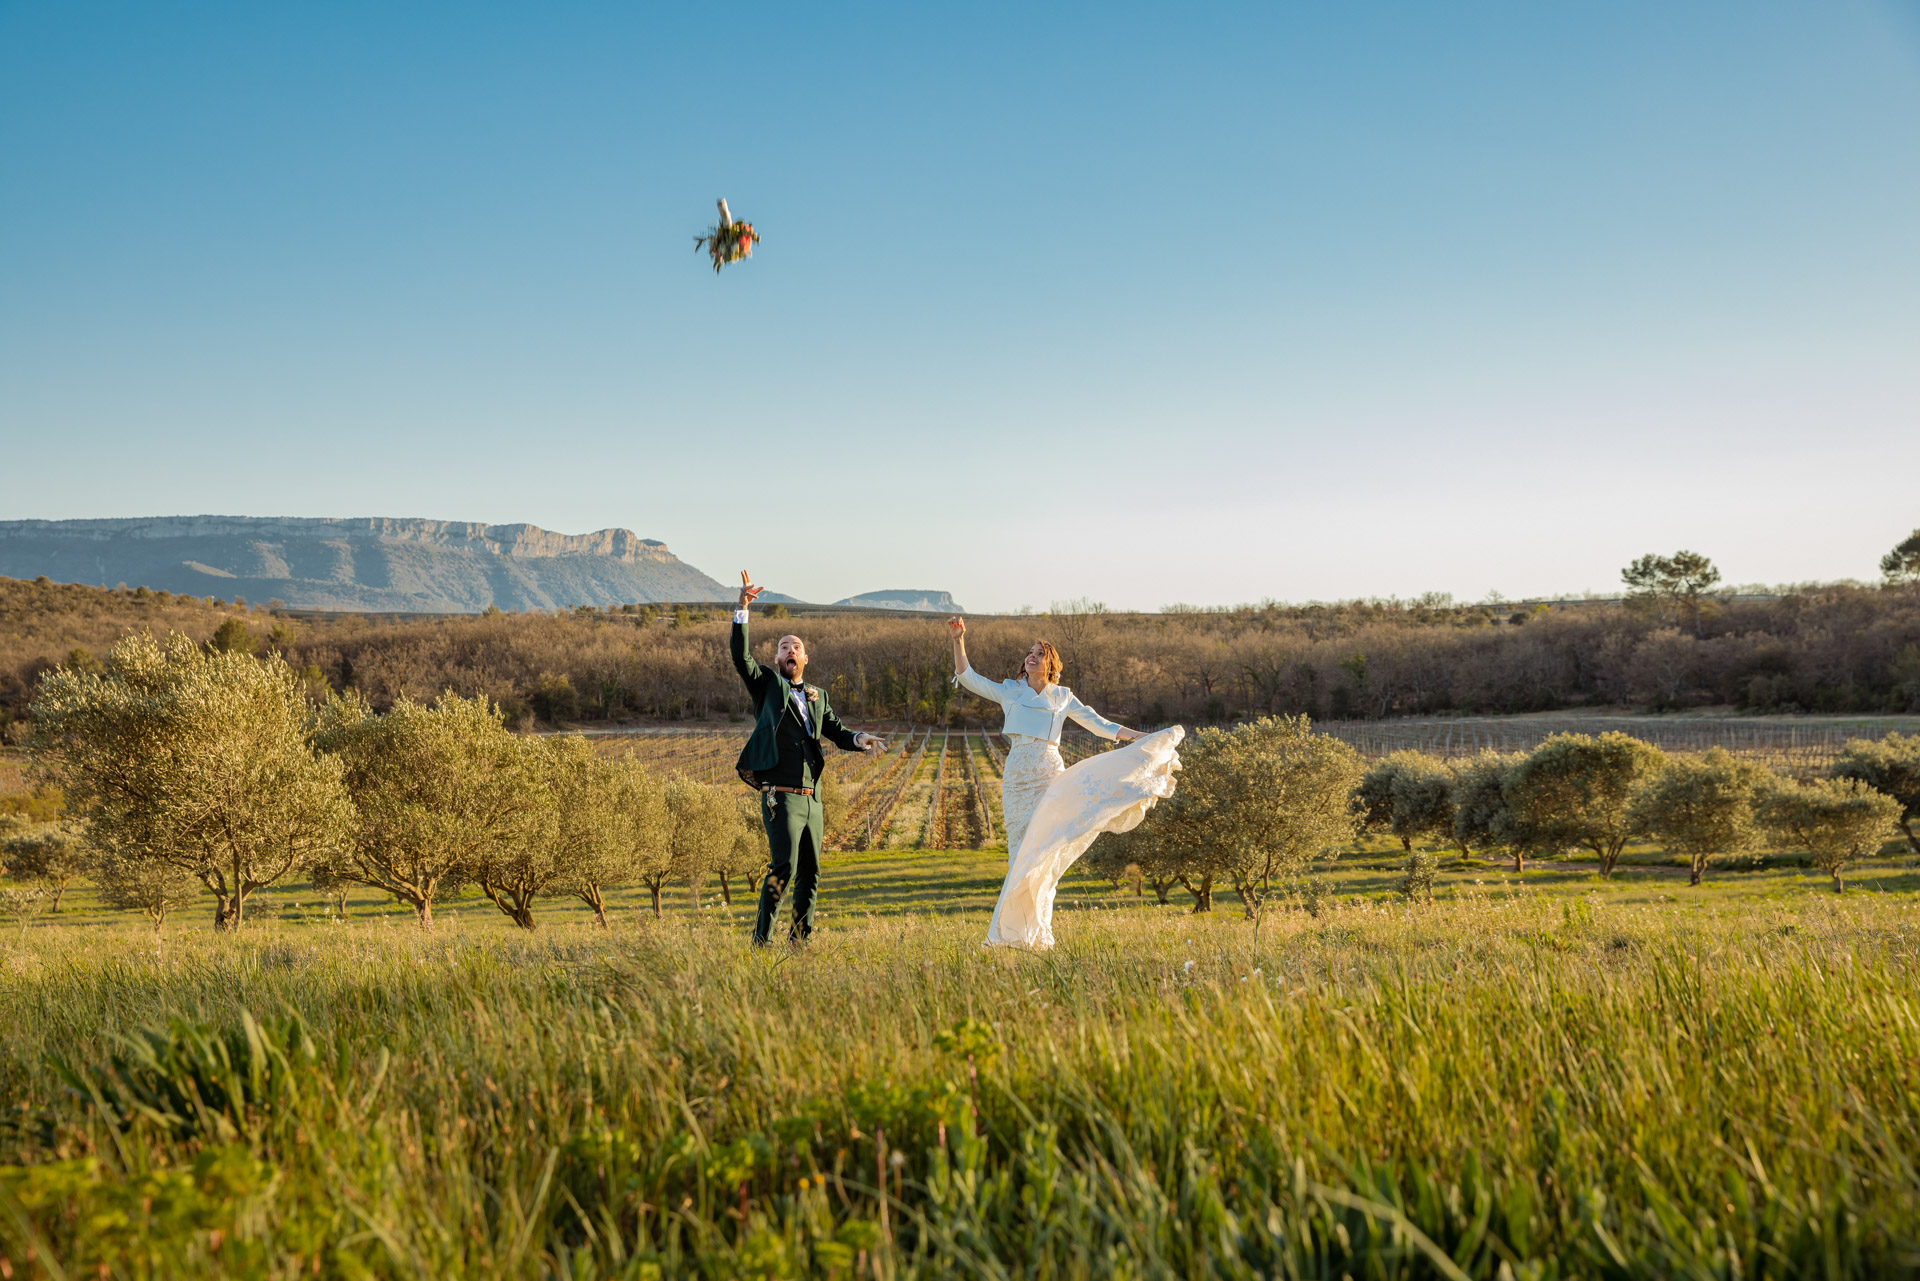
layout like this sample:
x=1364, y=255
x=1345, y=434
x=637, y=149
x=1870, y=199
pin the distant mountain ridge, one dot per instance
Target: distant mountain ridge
x=362, y=563
x=907, y=598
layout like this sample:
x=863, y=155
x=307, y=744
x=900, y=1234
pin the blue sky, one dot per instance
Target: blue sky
x=1198, y=303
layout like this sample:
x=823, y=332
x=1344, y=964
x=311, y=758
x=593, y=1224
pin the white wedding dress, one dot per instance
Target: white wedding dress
x=1053, y=813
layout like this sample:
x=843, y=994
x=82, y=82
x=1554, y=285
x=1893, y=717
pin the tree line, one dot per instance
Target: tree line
x=1258, y=804
x=1829, y=649
x=191, y=769
x=1672, y=642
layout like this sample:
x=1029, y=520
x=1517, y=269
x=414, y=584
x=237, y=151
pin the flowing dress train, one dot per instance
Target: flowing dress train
x=1053, y=814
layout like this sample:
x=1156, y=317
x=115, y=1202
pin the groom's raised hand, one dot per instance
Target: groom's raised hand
x=747, y=591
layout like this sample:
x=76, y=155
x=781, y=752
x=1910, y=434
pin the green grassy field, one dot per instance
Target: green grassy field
x=1540, y=1075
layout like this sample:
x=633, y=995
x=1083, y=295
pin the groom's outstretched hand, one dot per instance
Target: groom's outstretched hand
x=870, y=742
x=747, y=590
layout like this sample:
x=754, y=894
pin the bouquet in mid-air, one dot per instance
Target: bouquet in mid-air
x=727, y=241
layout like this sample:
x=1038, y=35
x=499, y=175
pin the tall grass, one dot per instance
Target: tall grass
x=1503, y=1085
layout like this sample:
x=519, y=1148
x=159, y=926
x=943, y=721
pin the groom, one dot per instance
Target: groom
x=783, y=760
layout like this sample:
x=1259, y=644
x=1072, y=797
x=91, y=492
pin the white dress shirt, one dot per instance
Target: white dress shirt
x=1035, y=713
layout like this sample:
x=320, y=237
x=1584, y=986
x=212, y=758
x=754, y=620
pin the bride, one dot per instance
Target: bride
x=1052, y=813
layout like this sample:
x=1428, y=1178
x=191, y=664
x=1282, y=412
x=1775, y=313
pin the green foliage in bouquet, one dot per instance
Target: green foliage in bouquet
x=727, y=241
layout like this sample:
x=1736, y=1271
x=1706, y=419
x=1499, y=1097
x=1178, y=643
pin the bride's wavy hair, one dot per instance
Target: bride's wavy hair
x=1050, y=664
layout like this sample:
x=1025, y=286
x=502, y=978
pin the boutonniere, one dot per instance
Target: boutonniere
x=813, y=695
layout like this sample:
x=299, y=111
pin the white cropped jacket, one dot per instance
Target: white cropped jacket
x=1033, y=714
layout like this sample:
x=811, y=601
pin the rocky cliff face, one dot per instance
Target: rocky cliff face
x=906, y=598
x=366, y=563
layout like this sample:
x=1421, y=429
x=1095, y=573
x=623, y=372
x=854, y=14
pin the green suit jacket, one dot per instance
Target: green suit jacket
x=773, y=705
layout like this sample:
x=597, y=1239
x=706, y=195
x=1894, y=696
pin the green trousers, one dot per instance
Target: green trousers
x=795, y=830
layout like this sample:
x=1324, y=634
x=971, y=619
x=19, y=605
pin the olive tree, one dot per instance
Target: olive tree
x=52, y=853
x=329, y=877
x=1110, y=860
x=1700, y=806
x=199, y=759
x=1199, y=811
x=1577, y=790
x=1422, y=801
x=11, y=825
x=1373, y=796
x=146, y=885
x=1409, y=794
x=701, y=821
x=604, y=813
x=1145, y=852
x=748, y=857
x=649, y=854
x=1260, y=801
x=435, y=790
x=22, y=902
x=1836, y=819
x=1479, y=798
x=1891, y=766
x=529, y=857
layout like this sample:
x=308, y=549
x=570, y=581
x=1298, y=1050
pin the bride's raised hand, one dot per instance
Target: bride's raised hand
x=956, y=628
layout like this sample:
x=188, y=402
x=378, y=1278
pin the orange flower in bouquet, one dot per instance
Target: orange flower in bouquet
x=727, y=241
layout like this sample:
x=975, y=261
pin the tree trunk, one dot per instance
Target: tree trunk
x=654, y=886
x=1162, y=887
x=1202, y=893
x=523, y=908
x=226, y=911
x=516, y=904
x=1913, y=842
x=1839, y=886
x=1406, y=844
x=1249, y=898
x=1696, y=869
x=340, y=903
x=1518, y=865
x=595, y=900
x=726, y=891
x=753, y=882
x=59, y=892
x=422, y=912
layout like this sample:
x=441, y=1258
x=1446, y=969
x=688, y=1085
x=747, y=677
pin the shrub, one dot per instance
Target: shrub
x=1700, y=806
x=198, y=759
x=1890, y=766
x=1838, y=820
x=1260, y=802
x=1577, y=790
x=1417, y=884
